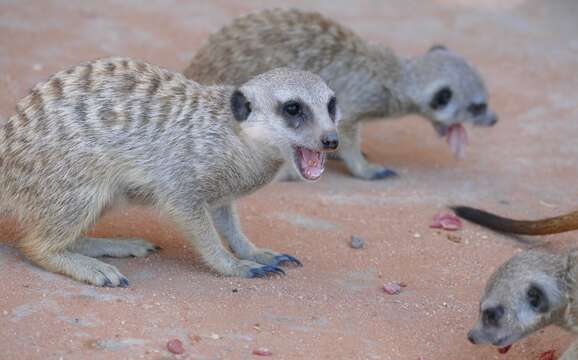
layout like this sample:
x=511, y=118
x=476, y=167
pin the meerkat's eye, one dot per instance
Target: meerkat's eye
x=537, y=299
x=441, y=98
x=492, y=316
x=332, y=107
x=292, y=108
x=477, y=109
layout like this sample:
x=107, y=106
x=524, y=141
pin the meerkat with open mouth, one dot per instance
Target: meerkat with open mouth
x=118, y=129
x=530, y=291
x=369, y=80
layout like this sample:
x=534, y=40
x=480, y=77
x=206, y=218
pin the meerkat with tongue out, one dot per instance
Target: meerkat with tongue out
x=369, y=80
x=118, y=129
x=532, y=290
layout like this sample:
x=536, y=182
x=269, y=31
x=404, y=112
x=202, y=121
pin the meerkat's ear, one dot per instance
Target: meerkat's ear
x=437, y=47
x=240, y=106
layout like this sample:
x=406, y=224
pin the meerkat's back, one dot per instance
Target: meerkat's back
x=258, y=42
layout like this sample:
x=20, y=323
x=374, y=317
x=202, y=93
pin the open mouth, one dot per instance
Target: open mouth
x=456, y=137
x=310, y=163
x=500, y=345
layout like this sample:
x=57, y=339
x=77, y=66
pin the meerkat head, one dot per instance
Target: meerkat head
x=525, y=294
x=292, y=111
x=449, y=92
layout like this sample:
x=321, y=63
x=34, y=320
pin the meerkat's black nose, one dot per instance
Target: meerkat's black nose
x=471, y=338
x=330, y=141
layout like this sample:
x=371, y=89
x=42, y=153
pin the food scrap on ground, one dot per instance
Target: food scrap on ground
x=262, y=352
x=504, y=349
x=446, y=221
x=392, y=288
x=548, y=355
x=356, y=242
x=175, y=346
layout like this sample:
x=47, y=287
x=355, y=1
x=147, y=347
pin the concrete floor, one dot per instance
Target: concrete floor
x=333, y=307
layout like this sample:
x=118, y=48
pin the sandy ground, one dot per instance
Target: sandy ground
x=333, y=307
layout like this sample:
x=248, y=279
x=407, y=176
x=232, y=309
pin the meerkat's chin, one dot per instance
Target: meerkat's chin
x=309, y=163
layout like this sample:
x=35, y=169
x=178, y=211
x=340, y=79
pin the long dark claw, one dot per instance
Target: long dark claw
x=266, y=270
x=287, y=259
x=123, y=283
x=383, y=174
x=107, y=283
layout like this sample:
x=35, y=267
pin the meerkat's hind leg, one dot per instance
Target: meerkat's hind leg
x=51, y=234
x=350, y=152
x=62, y=261
x=227, y=223
x=571, y=353
x=97, y=247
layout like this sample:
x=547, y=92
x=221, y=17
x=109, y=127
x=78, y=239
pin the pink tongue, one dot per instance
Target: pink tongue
x=457, y=139
x=311, y=163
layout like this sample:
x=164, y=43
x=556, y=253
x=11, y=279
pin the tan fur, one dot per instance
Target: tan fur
x=117, y=129
x=509, y=288
x=369, y=80
x=547, y=226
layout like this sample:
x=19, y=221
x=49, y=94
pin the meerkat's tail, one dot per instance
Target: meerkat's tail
x=553, y=225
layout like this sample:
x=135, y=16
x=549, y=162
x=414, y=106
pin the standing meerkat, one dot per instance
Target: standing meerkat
x=369, y=80
x=553, y=225
x=530, y=291
x=118, y=129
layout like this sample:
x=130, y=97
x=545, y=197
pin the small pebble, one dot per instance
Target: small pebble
x=215, y=337
x=392, y=288
x=454, y=238
x=195, y=338
x=262, y=352
x=356, y=242
x=175, y=346
x=417, y=235
x=37, y=67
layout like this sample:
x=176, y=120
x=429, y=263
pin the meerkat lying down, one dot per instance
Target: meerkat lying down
x=530, y=291
x=118, y=129
x=369, y=80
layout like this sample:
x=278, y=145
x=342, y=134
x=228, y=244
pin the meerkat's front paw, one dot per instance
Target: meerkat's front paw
x=374, y=172
x=273, y=258
x=250, y=269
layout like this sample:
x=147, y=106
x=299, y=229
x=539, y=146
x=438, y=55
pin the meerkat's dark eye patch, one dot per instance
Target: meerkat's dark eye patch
x=441, y=98
x=332, y=108
x=537, y=299
x=240, y=106
x=292, y=108
x=294, y=112
x=491, y=316
x=477, y=109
